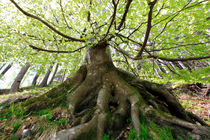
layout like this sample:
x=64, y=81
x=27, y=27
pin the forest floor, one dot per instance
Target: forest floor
x=190, y=96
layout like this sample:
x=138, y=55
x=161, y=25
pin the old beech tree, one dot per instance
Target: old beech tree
x=100, y=96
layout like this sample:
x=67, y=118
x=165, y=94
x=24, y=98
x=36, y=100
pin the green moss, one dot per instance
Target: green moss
x=128, y=77
x=91, y=135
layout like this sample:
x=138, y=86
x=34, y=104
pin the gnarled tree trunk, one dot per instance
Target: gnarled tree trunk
x=16, y=84
x=102, y=97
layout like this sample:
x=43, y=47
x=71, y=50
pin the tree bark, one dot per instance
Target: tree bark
x=45, y=79
x=16, y=84
x=6, y=69
x=35, y=79
x=53, y=76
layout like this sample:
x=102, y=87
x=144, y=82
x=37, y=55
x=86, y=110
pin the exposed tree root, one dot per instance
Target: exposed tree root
x=96, y=112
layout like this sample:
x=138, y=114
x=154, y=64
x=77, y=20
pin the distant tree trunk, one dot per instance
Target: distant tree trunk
x=63, y=77
x=186, y=64
x=35, y=79
x=2, y=66
x=177, y=65
x=56, y=69
x=6, y=69
x=44, y=81
x=16, y=84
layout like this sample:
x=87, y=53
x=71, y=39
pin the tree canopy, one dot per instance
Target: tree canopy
x=144, y=31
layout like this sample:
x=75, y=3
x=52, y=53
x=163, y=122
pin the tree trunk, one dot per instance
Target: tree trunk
x=101, y=98
x=35, y=79
x=16, y=84
x=63, y=76
x=53, y=76
x=177, y=65
x=5, y=70
x=2, y=66
x=45, y=79
x=104, y=87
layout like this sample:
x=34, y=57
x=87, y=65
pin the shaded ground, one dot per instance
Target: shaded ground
x=197, y=104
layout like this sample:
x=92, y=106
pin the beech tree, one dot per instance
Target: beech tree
x=16, y=84
x=53, y=75
x=99, y=95
x=45, y=79
x=5, y=69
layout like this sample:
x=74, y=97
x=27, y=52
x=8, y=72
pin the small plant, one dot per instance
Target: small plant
x=106, y=137
x=49, y=116
x=165, y=133
x=16, y=126
x=144, y=133
x=132, y=135
x=12, y=109
x=63, y=121
x=41, y=126
x=19, y=112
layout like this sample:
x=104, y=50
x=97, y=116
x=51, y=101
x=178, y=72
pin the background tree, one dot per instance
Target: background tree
x=16, y=84
x=139, y=30
x=45, y=79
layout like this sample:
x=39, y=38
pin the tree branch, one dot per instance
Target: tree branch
x=177, y=46
x=179, y=59
x=113, y=17
x=45, y=23
x=125, y=14
x=184, y=8
x=53, y=51
x=149, y=26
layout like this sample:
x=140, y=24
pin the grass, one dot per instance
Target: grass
x=33, y=90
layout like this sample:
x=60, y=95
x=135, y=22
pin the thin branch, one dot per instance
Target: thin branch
x=157, y=57
x=179, y=59
x=45, y=23
x=53, y=51
x=136, y=29
x=177, y=46
x=120, y=35
x=162, y=7
x=113, y=17
x=149, y=26
x=64, y=17
x=170, y=21
x=125, y=14
x=184, y=8
x=162, y=62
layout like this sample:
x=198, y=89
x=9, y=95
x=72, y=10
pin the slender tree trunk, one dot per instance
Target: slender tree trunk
x=56, y=68
x=177, y=65
x=35, y=79
x=6, y=69
x=16, y=84
x=186, y=64
x=45, y=79
x=63, y=76
x=2, y=66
